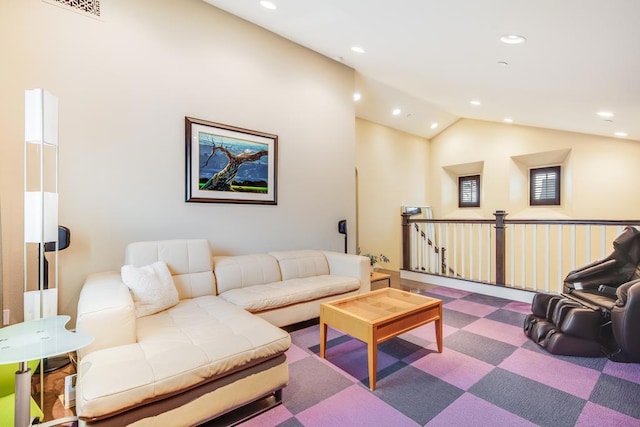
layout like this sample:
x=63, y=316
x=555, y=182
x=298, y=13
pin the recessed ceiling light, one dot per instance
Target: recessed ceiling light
x=605, y=114
x=434, y=125
x=620, y=134
x=508, y=120
x=396, y=112
x=357, y=96
x=475, y=102
x=357, y=49
x=503, y=63
x=268, y=5
x=512, y=39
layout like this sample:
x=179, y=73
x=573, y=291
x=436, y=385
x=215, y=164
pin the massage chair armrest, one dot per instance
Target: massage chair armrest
x=349, y=265
x=106, y=312
x=625, y=320
x=624, y=292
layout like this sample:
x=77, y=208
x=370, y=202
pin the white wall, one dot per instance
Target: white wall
x=392, y=172
x=125, y=84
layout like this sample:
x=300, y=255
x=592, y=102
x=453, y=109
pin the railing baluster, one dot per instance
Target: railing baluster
x=559, y=283
x=573, y=248
x=535, y=257
x=546, y=257
x=488, y=228
x=471, y=251
x=603, y=238
x=462, y=252
x=447, y=270
x=455, y=249
x=523, y=251
x=587, y=244
x=439, y=246
x=480, y=253
x=512, y=256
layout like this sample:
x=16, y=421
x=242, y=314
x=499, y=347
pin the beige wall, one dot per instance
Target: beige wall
x=600, y=174
x=392, y=172
x=125, y=84
x=394, y=169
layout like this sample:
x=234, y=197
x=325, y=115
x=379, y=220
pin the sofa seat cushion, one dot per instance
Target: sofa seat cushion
x=279, y=294
x=196, y=341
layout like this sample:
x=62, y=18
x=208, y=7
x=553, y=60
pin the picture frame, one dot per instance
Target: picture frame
x=228, y=164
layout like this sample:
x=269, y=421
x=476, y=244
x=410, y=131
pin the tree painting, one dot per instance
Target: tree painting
x=231, y=164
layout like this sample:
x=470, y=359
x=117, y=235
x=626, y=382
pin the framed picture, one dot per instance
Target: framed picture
x=226, y=164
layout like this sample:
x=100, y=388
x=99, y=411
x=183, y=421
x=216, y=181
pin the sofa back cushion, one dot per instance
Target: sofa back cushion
x=301, y=264
x=189, y=262
x=233, y=272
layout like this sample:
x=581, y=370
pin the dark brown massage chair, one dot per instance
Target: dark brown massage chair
x=598, y=313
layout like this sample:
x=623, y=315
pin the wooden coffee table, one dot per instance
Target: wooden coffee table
x=377, y=316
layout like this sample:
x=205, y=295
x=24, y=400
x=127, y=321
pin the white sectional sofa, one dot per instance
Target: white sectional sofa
x=216, y=348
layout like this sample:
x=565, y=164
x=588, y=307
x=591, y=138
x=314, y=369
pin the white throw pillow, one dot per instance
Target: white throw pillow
x=152, y=287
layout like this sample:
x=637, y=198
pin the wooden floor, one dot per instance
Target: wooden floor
x=52, y=406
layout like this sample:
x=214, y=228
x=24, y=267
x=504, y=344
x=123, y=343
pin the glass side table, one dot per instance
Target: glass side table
x=35, y=339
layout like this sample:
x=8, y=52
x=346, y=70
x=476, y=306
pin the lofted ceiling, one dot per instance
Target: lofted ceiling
x=431, y=58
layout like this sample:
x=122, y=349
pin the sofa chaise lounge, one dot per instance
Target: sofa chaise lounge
x=217, y=347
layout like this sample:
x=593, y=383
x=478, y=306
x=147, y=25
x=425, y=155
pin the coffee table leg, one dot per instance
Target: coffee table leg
x=323, y=338
x=438, y=325
x=372, y=351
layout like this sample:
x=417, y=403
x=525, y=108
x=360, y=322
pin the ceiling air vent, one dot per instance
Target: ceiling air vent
x=88, y=7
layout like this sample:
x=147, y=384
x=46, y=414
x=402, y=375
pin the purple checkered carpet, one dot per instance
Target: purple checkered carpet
x=489, y=374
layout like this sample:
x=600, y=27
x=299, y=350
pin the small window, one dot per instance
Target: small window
x=544, y=186
x=469, y=191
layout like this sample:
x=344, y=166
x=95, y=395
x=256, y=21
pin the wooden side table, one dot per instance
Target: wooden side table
x=380, y=277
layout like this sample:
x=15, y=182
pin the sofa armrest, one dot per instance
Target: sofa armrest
x=351, y=266
x=106, y=312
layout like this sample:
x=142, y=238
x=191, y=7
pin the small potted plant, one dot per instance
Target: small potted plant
x=374, y=259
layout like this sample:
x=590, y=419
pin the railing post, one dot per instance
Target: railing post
x=406, y=242
x=500, y=247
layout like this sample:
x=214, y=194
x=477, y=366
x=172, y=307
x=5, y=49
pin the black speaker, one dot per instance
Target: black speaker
x=342, y=229
x=342, y=226
x=64, y=240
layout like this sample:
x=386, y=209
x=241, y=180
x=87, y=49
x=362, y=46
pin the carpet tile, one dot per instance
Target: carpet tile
x=531, y=400
x=470, y=410
x=483, y=348
x=417, y=394
x=594, y=415
x=448, y=292
x=506, y=316
x=518, y=307
x=455, y=368
x=627, y=395
x=486, y=300
x=310, y=383
x=498, y=331
x=489, y=374
x=557, y=373
x=469, y=307
x=352, y=407
x=428, y=332
x=626, y=371
x=457, y=319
